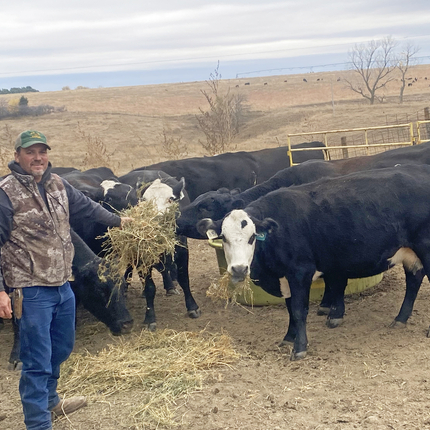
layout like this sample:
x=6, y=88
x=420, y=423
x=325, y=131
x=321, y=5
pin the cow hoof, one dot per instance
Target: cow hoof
x=334, y=322
x=195, y=313
x=398, y=324
x=15, y=366
x=322, y=310
x=295, y=356
x=172, y=292
x=152, y=326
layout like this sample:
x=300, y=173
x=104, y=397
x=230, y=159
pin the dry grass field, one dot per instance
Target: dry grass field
x=362, y=375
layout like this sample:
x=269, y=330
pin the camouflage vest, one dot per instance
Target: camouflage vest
x=39, y=251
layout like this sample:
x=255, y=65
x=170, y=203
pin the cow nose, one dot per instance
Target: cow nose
x=238, y=273
x=126, y=327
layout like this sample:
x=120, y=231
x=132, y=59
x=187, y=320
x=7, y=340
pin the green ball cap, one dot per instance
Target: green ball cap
x=29, y=138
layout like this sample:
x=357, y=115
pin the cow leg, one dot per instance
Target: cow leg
x=181, y=259
x=292, y=330
x=325, y=305
x=335, y=286
x=300, y=286
x=413, y=284
x=167, y=267
x=14, y=361
x=149, y=292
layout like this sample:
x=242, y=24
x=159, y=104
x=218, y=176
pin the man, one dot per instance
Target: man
x=37, y=209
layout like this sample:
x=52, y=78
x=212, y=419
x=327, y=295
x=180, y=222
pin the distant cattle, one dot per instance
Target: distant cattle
x=304, y=80
x=353, y=226
x=247, y=83
x=100, y=295
x=215, y=204
x=234, y=169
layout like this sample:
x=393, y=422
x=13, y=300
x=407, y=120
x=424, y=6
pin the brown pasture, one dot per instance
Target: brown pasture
x=362, y=375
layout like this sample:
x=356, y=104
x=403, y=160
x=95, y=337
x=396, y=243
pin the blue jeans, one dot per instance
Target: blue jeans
x=47, y=330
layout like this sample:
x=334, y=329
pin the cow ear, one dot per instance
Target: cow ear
x=268, y=226
x=237, y=204
x=206, y=227
x=178, y=189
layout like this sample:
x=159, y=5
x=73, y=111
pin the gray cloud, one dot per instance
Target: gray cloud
x=93, y=35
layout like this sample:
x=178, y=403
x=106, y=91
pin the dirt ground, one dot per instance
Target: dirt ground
x=362, y=375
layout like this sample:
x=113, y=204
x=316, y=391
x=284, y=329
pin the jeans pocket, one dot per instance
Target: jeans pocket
x=30, y=293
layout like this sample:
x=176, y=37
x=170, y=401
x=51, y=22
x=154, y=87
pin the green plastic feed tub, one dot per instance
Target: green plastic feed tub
x=261, y=298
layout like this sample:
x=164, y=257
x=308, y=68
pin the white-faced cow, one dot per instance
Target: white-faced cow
x=101, y=185
x=234, y=169
x=163, y=192
x=352, y=226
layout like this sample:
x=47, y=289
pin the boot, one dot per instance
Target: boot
x=67, y=406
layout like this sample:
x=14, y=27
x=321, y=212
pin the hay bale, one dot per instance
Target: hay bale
x=141, y=242
x=162, y=366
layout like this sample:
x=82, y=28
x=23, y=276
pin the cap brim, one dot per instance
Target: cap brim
x=33, y=142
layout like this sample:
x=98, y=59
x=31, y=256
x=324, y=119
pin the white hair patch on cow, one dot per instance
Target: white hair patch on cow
x=238, y=233
x=160, y=194
x=107, y=185
x=285, y=288
x=408, y=258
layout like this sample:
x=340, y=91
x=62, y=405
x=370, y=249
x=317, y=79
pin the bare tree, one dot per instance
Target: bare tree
x=405, y=60
x=221, y=122
x=374, y=62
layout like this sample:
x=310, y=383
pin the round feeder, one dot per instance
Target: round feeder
x=261, y=298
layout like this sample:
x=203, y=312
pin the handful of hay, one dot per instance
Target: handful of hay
x=223, y=289
x=142, y=241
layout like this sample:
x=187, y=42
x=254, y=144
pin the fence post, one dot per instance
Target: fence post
x=427, y=118
x=343, y=143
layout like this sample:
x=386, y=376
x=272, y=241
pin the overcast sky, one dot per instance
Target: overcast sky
x=47, y=37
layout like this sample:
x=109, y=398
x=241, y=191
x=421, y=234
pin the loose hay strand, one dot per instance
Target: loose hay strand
x=165, y=365
x=142, y=241
x=223, y=289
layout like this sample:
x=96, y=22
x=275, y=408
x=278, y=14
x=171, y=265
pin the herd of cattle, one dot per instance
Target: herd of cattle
x=282, y=225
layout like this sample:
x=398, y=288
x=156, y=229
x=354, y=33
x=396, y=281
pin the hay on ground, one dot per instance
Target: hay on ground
x=223, y=289
x=141, y=242
x=164, y=365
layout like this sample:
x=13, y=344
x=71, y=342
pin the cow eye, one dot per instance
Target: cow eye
x=108, y=199
x=251, y=239
x=172, y=199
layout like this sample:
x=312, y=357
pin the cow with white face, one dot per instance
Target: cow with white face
x=163, y=191
x=353, y=226
x=238, y=234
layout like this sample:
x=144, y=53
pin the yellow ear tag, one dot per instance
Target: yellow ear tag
x=211, y=234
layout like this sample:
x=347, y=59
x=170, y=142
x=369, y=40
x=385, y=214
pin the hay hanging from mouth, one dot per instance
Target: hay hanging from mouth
x=156, y=368
x=224, y=289
x=141, y=242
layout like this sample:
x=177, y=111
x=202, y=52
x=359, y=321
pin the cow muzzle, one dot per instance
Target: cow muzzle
x=238, y=273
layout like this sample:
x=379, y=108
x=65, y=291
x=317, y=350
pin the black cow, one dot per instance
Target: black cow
x=101, y=185
x=103, y=298
x=216, y=204
x=62, y=170
x=234, y=169
x=353, y=226
x=163, y=192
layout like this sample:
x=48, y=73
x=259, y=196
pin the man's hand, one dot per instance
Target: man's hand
x=5, y=306
x=125, y=220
